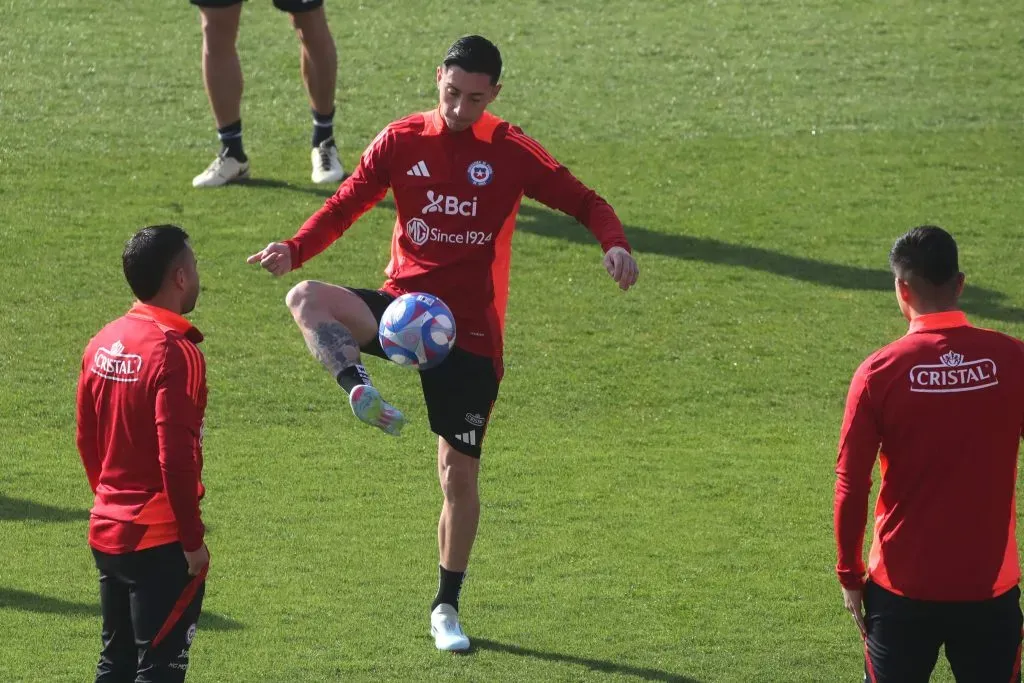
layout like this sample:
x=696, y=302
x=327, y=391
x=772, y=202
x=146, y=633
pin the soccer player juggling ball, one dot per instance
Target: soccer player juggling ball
x=141, y=401
x=943, y=407
x=458, y=174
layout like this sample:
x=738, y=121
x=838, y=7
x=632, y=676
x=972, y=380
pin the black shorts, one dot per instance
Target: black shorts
x=459, y=392
x=982, y=639
x=290, y=6
x=150, y=608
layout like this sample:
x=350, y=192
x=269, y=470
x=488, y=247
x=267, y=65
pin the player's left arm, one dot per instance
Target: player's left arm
x=552, y=184
x=178, y=423
x=87, y=431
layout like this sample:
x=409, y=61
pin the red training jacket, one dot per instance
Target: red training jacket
x=457, y=195
x=945, y=404
x=141, y=402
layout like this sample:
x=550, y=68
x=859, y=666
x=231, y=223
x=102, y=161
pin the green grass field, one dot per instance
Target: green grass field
x=658, y=477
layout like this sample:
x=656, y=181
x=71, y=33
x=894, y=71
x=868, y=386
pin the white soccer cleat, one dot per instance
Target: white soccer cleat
x=369, y=407
x=223, y=170
x=326, y=164
x=448, y=634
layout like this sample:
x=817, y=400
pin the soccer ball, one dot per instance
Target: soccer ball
x=417, y=331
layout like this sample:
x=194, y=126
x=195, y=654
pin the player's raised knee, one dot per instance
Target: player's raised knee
x=301, y=296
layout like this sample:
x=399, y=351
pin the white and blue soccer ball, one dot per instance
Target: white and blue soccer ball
x=417, y=331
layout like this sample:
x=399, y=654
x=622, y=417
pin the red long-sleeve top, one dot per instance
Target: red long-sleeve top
x=944, y=407
x=457, y=196
x=141, y=402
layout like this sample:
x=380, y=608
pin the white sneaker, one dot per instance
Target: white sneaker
x=222, y=171
x=444, y=626
x=326, y=164
x=369, y=407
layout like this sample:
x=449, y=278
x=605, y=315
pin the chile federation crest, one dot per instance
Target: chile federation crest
x=480, y=173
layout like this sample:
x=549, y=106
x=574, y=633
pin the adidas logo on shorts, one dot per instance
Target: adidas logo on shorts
x=467, y=437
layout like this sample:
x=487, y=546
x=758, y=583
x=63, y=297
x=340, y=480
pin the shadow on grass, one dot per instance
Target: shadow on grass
x=324, y=192
x=985, y=302
x=597, y=665
x=27, y=601
x=19, y=509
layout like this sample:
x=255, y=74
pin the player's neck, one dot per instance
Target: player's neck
x=922, y=308
x=165, y=301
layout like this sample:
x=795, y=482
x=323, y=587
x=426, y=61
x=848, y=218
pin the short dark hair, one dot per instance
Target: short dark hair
x=926, y=252
x=475, y=55
x=148, y=256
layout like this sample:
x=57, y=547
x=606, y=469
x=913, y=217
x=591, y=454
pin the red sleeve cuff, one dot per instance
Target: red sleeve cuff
x=851, y=580
x=193, y=539
x=293, y=248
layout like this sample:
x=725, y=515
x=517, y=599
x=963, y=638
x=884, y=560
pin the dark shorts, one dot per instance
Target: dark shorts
x=982, y=639
x=290, y=6
x=459, y=392
x=150, y=608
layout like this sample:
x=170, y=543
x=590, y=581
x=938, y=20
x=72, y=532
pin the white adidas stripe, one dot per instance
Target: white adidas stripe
x=467, y=437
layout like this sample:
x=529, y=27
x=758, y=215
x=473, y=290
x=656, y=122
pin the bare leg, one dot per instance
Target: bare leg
x=319, y=58
x=334, y=322
x=460, y=513
x=222, y=71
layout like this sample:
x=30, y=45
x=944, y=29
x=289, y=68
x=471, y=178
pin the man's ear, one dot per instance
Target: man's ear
x=903, y=290
x=960, y=280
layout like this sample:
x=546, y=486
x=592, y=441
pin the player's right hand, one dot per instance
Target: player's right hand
x=276, y=257
x=853, y=601
x=197, y=559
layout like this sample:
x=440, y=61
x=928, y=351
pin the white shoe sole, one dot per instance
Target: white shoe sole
x=244, y=175
x=329, y=178
x=451, y=643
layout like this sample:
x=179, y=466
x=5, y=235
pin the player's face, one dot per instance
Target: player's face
x=187, y=279
x=464, y=96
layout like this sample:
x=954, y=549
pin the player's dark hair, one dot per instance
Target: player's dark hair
x=927, y=252
x=148, y=256
x=475, y=55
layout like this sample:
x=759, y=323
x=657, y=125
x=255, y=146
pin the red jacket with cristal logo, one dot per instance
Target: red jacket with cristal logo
x=943, y=409
x=141, y=401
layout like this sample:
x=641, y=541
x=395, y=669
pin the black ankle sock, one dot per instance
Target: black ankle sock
x=323, y=127
x=353, y=376
x=231, y=140
x=449, y=584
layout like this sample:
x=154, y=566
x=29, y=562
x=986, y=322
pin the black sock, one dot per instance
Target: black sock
x=353, y=376
x=323, y=127
x=231, y=141
x=449, y=584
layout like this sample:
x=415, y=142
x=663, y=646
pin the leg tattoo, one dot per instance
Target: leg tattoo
x=334, y=346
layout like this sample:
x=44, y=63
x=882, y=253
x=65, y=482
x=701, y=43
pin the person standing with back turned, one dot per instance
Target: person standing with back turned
x=944, y=405
x=141, y=401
